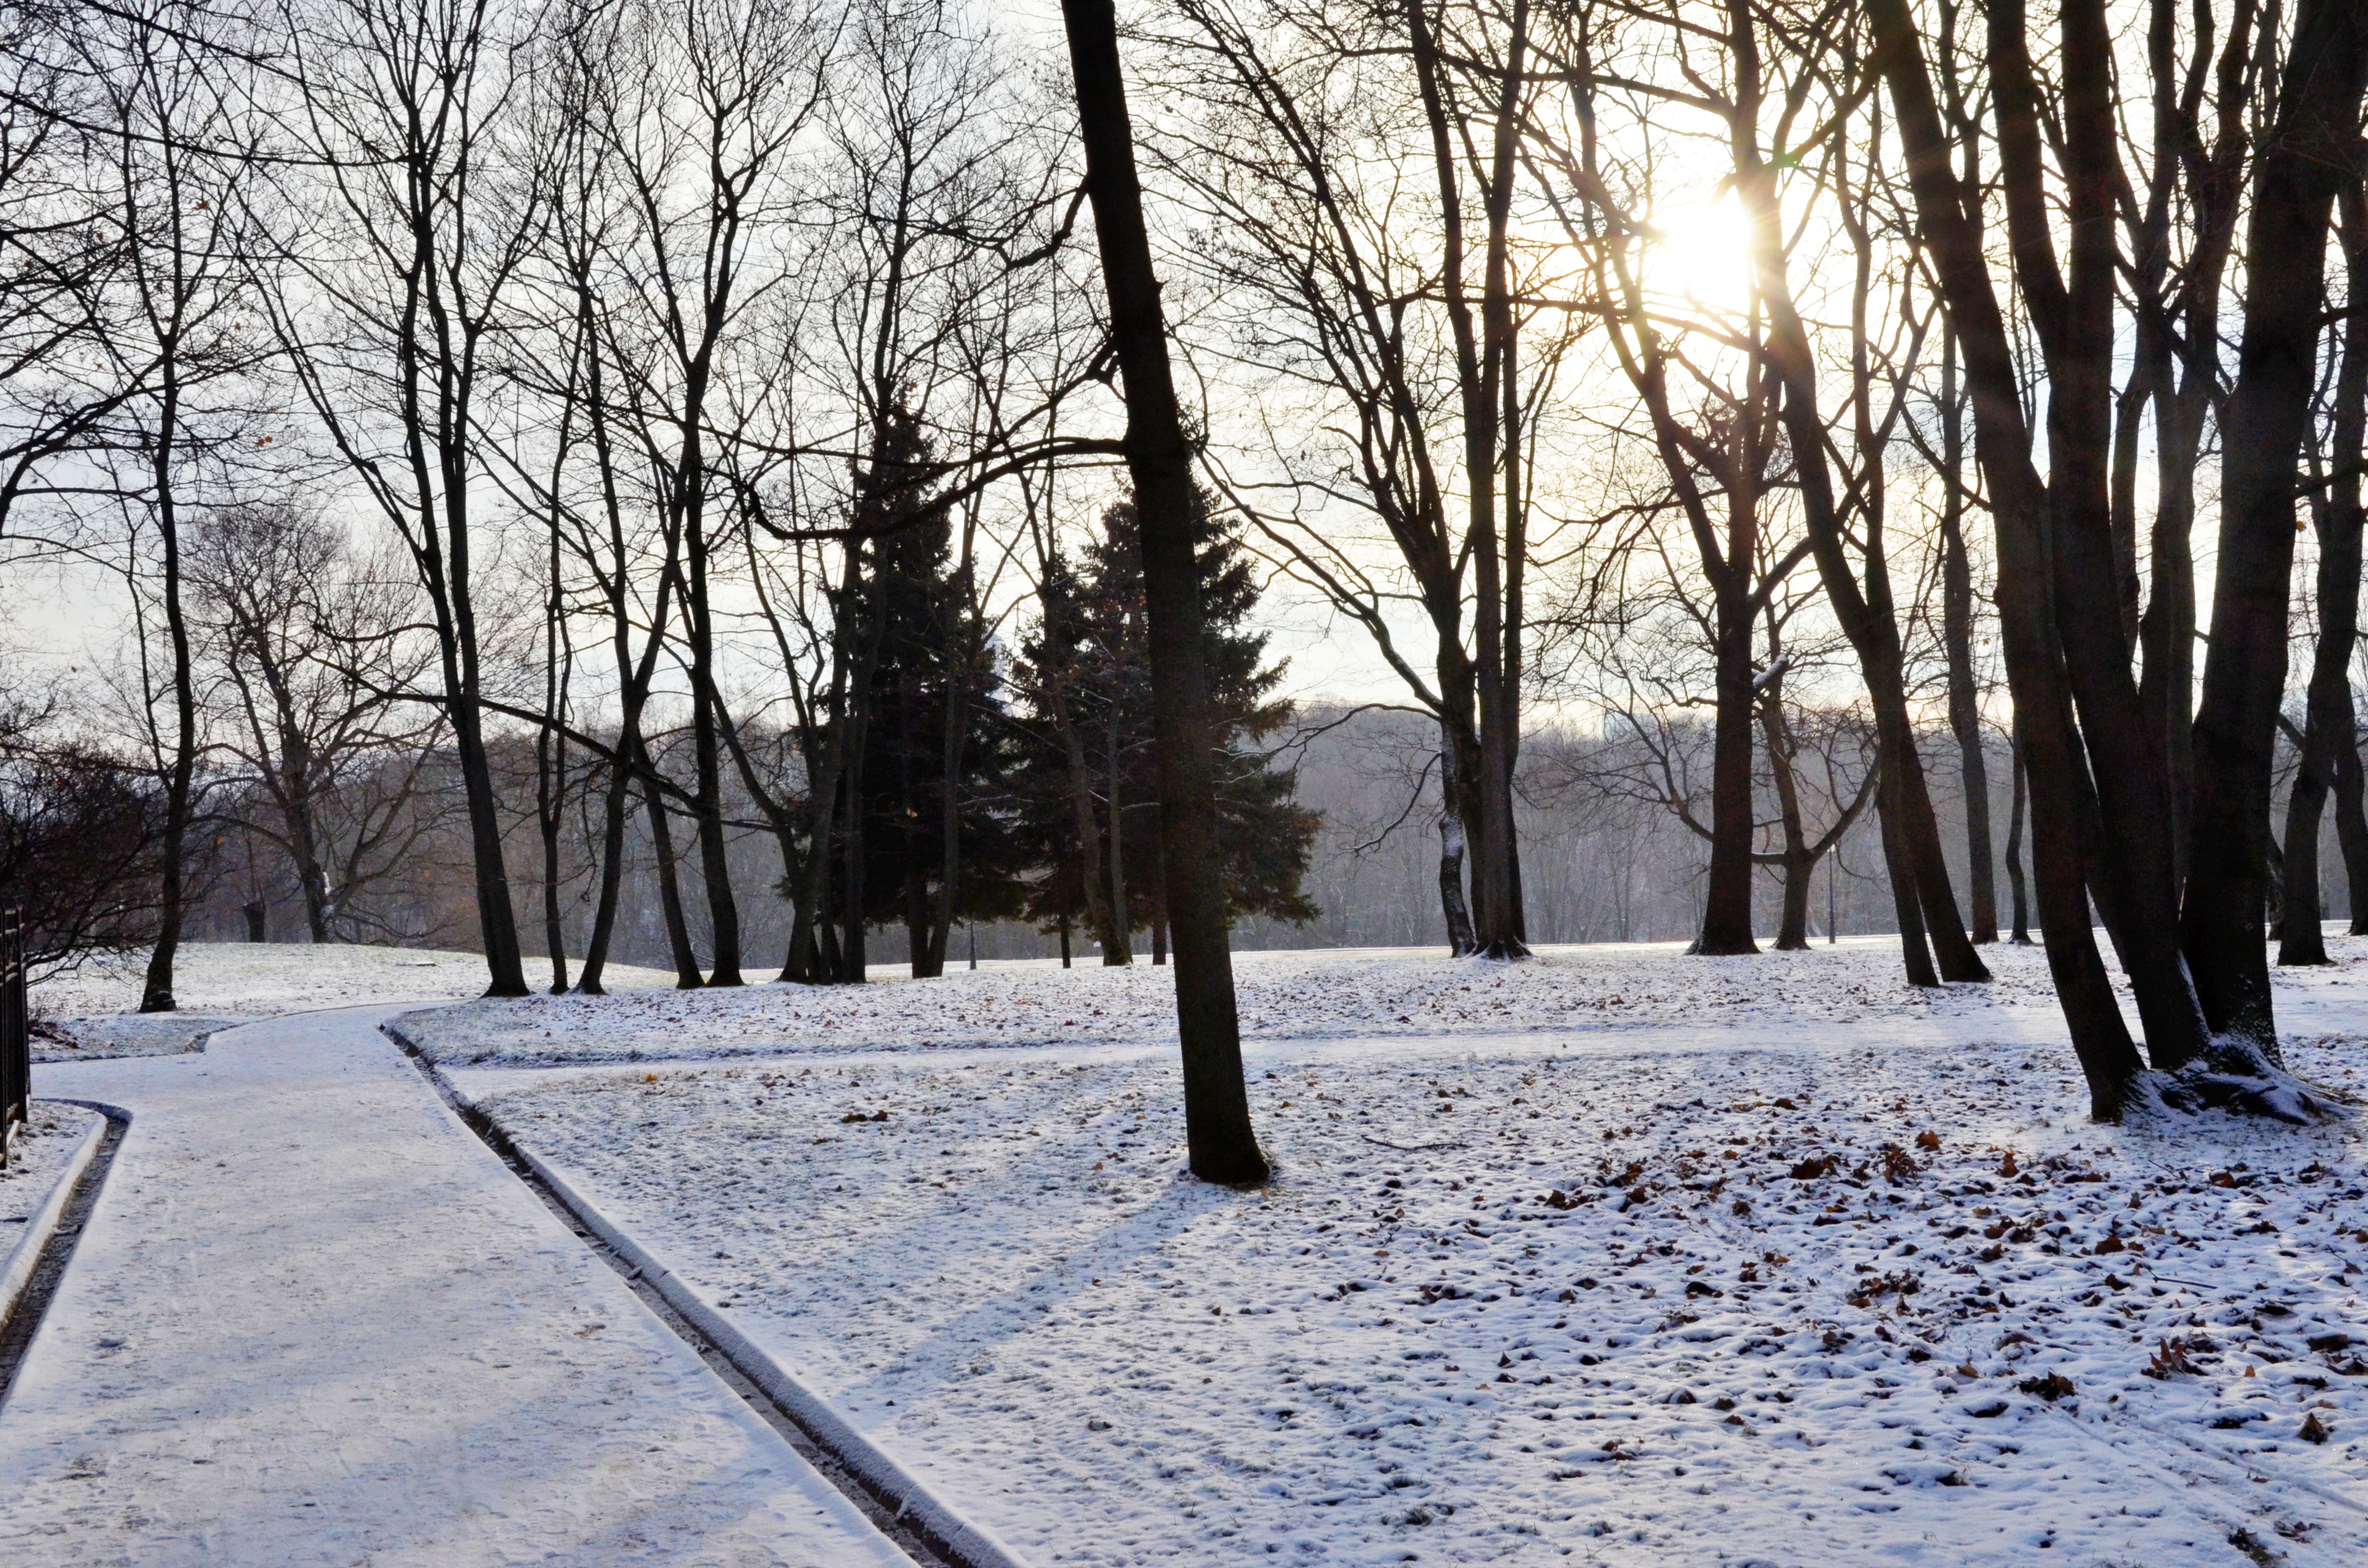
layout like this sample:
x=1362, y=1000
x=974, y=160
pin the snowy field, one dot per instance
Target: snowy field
x=1609, y=993
x=91, y=1013
x=1621, y=1257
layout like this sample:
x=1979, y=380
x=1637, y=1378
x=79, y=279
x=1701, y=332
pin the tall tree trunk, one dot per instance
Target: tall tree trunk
x=1726, y=902
x=1221, y=1142
x=1957, y=640
x=2301, y=166
x=2327, y=727
x=156, y=996
x=2352, y=832
x=953, y=742
x=2014, y=850
x=1457, y=915
x=2027, y=619
x=1117, y=942
x=1911, y=834
x=678, y=929
x=1800, y=867
x=1484, y=367
x=1158, y=903
x=550, y=772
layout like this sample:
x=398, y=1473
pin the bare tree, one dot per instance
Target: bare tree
x=1221, y=1142
x=405, y=216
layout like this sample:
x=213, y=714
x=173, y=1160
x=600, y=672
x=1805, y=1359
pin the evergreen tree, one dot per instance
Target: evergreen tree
x=1085, y=681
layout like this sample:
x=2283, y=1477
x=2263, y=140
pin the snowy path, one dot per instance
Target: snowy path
x=313, y=1321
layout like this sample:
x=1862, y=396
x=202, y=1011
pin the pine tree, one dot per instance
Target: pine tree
x=1085, y=672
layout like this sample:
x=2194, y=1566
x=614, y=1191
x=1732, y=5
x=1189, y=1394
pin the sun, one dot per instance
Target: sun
x=1700, y=251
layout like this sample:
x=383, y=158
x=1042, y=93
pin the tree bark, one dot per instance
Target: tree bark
x=2027, y=618
x=1957, y=640
x=1118, y=941
x=2299, y=170
x=156, y=995
x=686, y=957
x=1452, y=909
x=1726, y=902
x=1222, y=1144
x=2014, y=850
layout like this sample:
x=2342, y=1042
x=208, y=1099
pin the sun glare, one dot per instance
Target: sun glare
x=1700, y=251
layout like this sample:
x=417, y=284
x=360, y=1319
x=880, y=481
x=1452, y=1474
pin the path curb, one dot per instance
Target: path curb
x=910, y=1497
x=44, y=1223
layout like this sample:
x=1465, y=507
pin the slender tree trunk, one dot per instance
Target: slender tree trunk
x=156, y=996
x=2352, y=832
x=1450, y=857
x=1799, y=865
x=686, y=957
x=2014, y=850
x=1158, y=903
x=1727, y=902
x=2296, y=177
x=1223, y=1145
x=2043, y=720
x=1957, y=639
x=1911, y=834
x=551, y=777
x=1118, y=943
x=953, y=743
x=2328, y=726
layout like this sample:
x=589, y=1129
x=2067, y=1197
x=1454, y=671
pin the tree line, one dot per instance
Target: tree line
x=810, y=421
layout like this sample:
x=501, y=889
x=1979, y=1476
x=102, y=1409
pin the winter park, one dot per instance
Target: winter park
x=855, y=783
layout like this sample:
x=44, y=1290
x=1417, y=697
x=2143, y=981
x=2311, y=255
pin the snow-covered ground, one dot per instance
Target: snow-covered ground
x=1606, y=993
x=1767, y=1260
x=36, y=1155
x=91, y=1012
x=311, y=1319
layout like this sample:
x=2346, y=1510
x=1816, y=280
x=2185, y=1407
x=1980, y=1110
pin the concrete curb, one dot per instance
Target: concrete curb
x=871, y=1464
x=44, y=1223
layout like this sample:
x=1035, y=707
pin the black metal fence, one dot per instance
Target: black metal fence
x=15, y=1043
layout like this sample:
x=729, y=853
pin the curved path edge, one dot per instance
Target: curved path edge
x=43, y=1227
x=909, y=1499
x=967, y=1543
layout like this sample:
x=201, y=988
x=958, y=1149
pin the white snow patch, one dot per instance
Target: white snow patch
x=37, y=1154
x=1550, y=1290
x=218, y=981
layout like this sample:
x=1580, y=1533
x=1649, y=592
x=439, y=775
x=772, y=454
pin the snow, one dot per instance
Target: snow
x=1606, y=993
x=1537, y=1278
x=36, y=1155
x=312, y=1320
x=91, y=1012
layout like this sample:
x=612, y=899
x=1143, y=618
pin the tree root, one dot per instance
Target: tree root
x=2235, y=1076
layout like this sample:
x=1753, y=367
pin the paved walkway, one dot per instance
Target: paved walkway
x=312, y=1320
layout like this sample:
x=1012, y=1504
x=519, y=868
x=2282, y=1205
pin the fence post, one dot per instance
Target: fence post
x=16, y=1047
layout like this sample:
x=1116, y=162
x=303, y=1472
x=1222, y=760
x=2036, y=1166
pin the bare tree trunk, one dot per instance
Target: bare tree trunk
x=1223, y=1145
x=686, y=957
x=1158, y=902
x=2296, y=177
x=2043, y=720
x=1450, y=857
x=1118, y=941
x=156, y=996
x=2014, y=849
x=1799, y=866
x=551, y=766
x=1957, y=639
x=2327, y=724
x=1726, y=902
